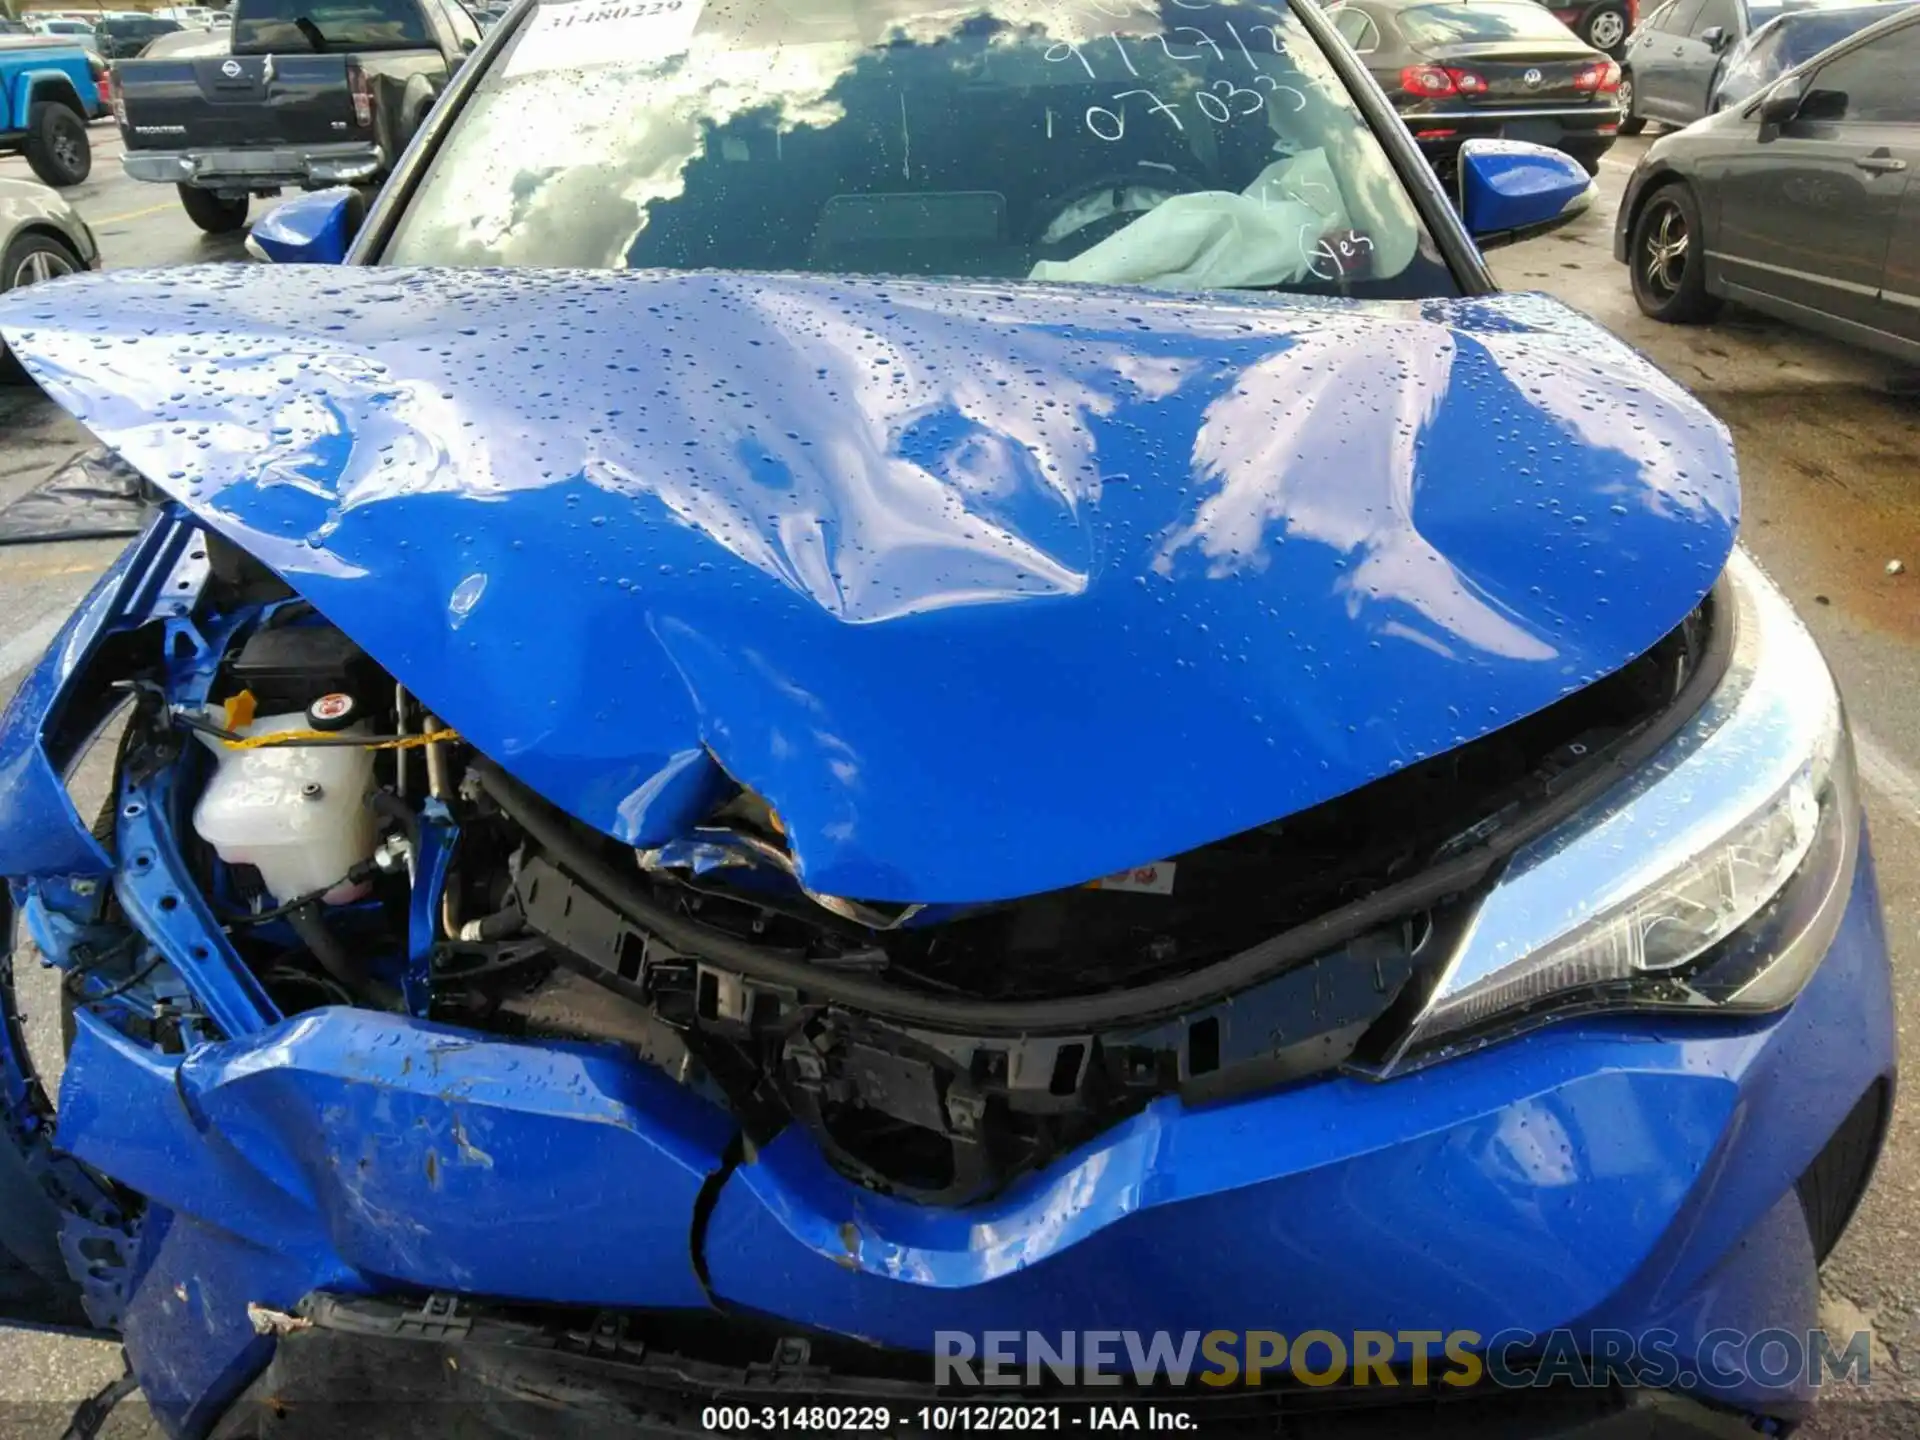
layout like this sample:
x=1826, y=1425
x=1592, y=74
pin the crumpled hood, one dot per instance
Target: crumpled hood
x=987, y=588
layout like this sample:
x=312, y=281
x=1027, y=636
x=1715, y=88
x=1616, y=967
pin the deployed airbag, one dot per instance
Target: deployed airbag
x=1269, y=235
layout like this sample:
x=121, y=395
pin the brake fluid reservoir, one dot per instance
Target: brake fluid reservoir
x=297, y=813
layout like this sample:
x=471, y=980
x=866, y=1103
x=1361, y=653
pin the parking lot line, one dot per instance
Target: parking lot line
x=1897, y=786
x=107, y=220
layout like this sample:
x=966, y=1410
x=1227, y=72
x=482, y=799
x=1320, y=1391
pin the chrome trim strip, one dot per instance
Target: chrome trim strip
x=1850, y=286
x=1597, y=112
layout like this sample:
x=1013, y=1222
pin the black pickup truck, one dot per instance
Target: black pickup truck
x=313, y=93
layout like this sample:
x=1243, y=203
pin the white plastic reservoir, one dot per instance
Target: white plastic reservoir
x=297, y=813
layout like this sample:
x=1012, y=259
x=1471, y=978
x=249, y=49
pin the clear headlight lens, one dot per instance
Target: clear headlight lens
x=1712, y=878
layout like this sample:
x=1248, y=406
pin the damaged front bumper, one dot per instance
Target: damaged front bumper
x=1595, y=1175
x=1632, y=1172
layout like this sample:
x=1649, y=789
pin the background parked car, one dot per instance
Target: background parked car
x=1458, y=70
x=121, y=38
x=1784, y=42
x=1603, y=24
x=314, y=96
x=1798, y=204
x=192, y=41
x=47, y=93
x=41, y=238
x=1679, y=52
x=72, y=29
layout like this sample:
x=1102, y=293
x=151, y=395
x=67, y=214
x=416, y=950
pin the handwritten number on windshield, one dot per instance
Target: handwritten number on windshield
x=1067, y=48
x=1157, y=105
x=1238, y=101
x=1274, y=87
x=1223, y=104
x=1220, y=101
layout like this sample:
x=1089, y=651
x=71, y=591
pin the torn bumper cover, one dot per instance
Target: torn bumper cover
x=1600, y=1168
x=359, y=1154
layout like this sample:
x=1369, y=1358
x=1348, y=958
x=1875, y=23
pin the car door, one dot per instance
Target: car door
x=1656, y=59
x=1896, y=106
x=1807, y=214
x=1710, y=32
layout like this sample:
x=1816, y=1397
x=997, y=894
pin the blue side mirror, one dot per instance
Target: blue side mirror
x=313, y=229
x=1510, y=190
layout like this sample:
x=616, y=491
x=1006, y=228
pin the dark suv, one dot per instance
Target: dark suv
x=121, y=38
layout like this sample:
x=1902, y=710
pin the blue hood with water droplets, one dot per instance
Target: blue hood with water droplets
x=989, y=589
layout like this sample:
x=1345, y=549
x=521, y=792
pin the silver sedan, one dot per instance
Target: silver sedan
x=42, y=237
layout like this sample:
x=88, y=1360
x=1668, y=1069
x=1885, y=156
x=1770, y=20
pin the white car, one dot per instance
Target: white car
x=42, y=237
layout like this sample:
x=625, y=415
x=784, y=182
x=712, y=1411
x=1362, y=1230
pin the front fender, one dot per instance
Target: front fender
x=52, y=84
x=63, y=701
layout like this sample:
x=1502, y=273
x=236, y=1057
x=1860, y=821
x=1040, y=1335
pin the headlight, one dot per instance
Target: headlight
x=1712, y=879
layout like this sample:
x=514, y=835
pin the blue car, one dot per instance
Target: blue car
x=48, y=90
x=890, y=717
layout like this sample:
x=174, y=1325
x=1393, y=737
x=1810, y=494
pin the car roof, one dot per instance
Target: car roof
x=1901, y=13
x=39, y=42
x=1796, y=14
x=187, y=44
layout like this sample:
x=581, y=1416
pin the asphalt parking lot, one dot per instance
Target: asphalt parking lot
x=1829, y=445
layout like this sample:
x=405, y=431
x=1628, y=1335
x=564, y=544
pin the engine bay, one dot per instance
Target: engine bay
x=354, y=850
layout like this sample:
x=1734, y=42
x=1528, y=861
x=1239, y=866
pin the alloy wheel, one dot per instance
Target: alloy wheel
x=1608, y=30
x=67, y=151
x=38, y=266
x=1625, y=97
x=1663, y=259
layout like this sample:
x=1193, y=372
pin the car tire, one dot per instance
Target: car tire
x=1605, y=27
x=29, y=260
x=57, y=147
x=1666, y=261
x=210, y=212
x=1630, y=123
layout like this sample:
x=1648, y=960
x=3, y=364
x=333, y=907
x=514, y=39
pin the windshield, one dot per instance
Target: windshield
x=1436, y=25
x=1805, y=36
x=1185, y=144
x=291, y=26
x=1759, y=14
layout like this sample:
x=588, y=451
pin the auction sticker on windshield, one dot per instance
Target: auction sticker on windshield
x=568, y=33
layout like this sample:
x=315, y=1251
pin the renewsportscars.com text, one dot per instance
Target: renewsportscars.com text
x=1459, y=1358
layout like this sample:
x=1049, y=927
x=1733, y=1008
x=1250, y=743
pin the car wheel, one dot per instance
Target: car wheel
x=1630, y=123
x=1606, y=27
x=57, y=147
x=28, y=261
x=1667, y=260
x=212, y=213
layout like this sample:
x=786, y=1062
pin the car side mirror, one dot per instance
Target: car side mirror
x=312, y=229
x=1828, y=105
x=1714, y=37
x=1781, y=105
x=1511, y=190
